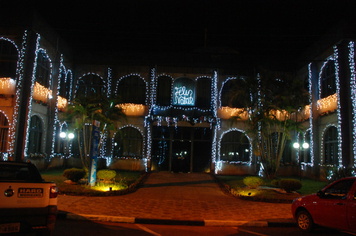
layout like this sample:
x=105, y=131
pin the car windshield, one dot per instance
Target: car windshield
x=340, y=189
x=18, y=173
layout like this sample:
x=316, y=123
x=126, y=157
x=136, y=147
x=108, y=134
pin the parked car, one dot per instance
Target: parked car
x=333, y=207
x=27, y=203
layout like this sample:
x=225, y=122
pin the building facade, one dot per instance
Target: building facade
x=178, y=117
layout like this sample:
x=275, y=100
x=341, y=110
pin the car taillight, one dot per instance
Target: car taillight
x=53, y=192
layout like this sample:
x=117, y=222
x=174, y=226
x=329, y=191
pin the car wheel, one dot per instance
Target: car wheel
x=305, y=221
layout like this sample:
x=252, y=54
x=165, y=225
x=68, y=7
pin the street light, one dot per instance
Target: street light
x=304, y=146
x=63, y=135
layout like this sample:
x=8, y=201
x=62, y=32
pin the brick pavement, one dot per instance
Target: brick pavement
x=175, y=197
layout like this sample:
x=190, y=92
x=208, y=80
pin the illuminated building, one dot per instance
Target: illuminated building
x=177, y=115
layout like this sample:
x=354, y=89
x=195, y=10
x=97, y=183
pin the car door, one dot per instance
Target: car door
x=330, y=208
x=351, y=210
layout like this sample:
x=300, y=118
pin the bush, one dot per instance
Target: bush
x=106, y=175
x=275, y=183
x=74, y=174
x=253, y=181
x=335, y=173
x=290, y=185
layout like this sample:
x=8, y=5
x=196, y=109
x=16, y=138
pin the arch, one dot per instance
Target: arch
x=327, y=79
x=9, y=56
x=132, y=89
x=35, y=135
x=128, y=143
x=44, y=69
x=235, y=146
x=90, y=84
x=228, y=90
x=330, y=146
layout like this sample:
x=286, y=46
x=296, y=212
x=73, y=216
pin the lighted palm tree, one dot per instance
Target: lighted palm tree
x=81, y=113
x=273, y=109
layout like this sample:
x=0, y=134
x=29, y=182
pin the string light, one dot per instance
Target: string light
x=351, y=55
x=31, y=96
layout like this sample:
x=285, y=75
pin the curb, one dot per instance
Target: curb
x=212, y=223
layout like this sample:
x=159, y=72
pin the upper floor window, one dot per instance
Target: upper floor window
x=203, y=93
x=184, y=92
x=164, y=91
x=234, y=94
x=43, y=70
x=65, y=82
x=8, y=59
x=328, y=85
x=90, y=85
x=132, y=89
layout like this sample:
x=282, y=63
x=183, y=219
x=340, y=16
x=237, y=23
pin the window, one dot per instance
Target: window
x=164, y=91
x=132, y=89
x=65, y=80
x=340, y=189
x=43, y=69
x=328, y=85
x=184, y=92
x=203, y=96
x=287, y=153
x=128, y=143
x=330, y=146
x=235, y=147
x=35, y=135
x=4, y=129
x=234, y=94
x=8, y=59
x=90, y=85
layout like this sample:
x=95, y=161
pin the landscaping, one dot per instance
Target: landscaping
x=123, y=182
x=115, y=182
x=268, y=190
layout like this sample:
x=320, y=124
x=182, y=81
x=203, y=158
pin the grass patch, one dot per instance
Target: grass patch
x=235, y=185
x=125, y=181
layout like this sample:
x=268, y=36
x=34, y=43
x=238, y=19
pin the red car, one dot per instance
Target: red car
x=333, y=207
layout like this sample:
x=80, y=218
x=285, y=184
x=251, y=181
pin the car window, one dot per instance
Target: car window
x=339, y=190
x=21, y=173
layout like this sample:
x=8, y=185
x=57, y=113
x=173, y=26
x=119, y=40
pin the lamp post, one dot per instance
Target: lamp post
x=64, y=135
x=304, y=147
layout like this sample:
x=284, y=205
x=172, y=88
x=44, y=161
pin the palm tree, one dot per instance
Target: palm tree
x=81, y=113
x=272, y=109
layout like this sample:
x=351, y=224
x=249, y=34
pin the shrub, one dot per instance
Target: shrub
x=335, y=173
x=253, y=181
x=275, y=183
x=106, y=175
x=74, y=174
x=290, y=185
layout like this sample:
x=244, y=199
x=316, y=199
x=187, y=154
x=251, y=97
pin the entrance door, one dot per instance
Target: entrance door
x=181, y=156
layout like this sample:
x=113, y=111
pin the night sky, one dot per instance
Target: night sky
x=282, y=28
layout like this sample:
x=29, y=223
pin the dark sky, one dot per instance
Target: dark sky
x=256, y=27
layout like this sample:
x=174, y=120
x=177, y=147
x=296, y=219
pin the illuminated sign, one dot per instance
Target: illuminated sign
x=183, y=96
x=183, y=93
